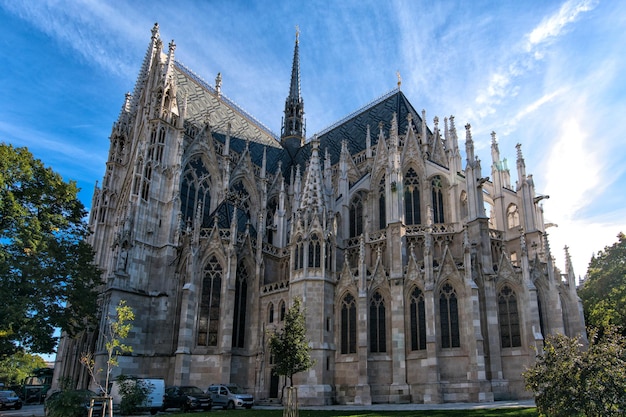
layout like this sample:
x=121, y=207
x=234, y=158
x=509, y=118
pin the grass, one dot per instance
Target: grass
x=492, y=412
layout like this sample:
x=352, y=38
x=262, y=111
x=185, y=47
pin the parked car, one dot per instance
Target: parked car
x=230, y=396
x=153, y=401
x=9, y=399
x=73, y=403
x=186, y=398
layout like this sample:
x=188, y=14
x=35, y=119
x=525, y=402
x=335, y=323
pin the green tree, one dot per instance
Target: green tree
x=45, y=264
x=603, y=292
x=118, y=327
x=571, y=380
x=289, y=346
x=15, y=368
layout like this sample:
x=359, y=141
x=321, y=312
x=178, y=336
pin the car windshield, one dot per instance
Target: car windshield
x=191, y=390
x=235, y=389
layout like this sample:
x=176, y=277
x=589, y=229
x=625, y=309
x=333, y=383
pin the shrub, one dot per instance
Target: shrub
x=134, y=393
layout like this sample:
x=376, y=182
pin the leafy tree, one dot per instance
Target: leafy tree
x=15, y=368
x=118, y=328
x=45, y=264
x=604, y=290
x=289, y=346
x=569, y=380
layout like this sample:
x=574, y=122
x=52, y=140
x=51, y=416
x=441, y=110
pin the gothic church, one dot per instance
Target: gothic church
x=424, y=277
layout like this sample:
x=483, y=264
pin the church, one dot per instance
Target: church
x=424, y=277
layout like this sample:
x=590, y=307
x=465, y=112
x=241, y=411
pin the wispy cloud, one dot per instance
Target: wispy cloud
x=552, y=26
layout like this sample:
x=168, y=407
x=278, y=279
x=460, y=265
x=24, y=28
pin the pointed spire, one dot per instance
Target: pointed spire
x=293, y=129
x=521, y=165
x=469, y=145
x=312, y=196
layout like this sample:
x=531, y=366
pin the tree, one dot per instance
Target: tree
x=603, y=292
x=15, y=368
x=289, y=346
x=568, y=380
x=45, y=263
x=118, y=328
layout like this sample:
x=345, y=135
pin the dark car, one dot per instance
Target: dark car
x=73, y=402
x=186, y=398
x=9, y=399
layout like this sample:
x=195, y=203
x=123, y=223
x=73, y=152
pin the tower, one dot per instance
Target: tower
x=293, y=128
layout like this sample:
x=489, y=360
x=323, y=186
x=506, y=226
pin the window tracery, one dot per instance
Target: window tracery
x=412, y=212
x=449, y=317
x=209, y=314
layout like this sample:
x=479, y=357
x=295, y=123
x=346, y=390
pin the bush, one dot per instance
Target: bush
x=134, y=393
x=569, y=380
x=68, y=403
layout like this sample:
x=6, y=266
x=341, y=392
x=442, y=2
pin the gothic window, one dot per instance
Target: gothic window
x=382, y=209
x=195, y=191
x=160, y=146
x=208, y=318
x=508, y=318
x=328, y=256
x=269, y=221
x=449, y=317
x=138, y=176
x=241, y=298
x=152, y=144
x=145, y=182
x=348, y=324
x=271, y=313
x=411, y=198
x=437, y=195
x=315, y=250
x=356, y=216
x=512, y=215
x=299, y=254
x=282, y=311
x=378, y=339
x=418, y=320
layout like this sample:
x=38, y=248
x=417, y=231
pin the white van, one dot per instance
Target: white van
x=229, y=396
x=154, y=401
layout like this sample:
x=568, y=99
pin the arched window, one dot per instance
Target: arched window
x=348, y=324
x=378, y=339
x=508, y=318
x=449, y=317
x=411, y=198
x=437, y=196
x=282, y=311
x=299, y=255
x=356, y=216
x=160, y=146
x=271, y=313
x=195, y=190
x=272, y=207
x=208, y=318
x=512, y=216
x=241, y=302
x=145, y=183
x=418, y=320
x=315, y=251
x=382, y=209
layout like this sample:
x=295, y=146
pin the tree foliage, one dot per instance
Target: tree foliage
x=45, y=264
x=289, y=346
x=118, y=327
x=604, y=290
x=15, y=368
x=569, y=380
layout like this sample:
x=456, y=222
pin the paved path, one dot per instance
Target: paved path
x=37, y=410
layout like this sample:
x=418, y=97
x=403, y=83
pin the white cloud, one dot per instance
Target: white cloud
x=552, y=26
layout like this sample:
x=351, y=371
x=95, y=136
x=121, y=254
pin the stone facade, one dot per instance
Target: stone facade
x=423, y=280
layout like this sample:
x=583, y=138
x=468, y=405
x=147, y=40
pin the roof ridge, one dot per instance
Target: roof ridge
x=358, y=111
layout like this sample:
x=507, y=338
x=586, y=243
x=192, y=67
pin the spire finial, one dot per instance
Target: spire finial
x=399, y=79
x=297, y=33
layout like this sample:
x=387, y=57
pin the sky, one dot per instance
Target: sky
x=546, y=74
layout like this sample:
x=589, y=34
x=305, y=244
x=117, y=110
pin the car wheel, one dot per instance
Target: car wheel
x=230, y=405
x=19, y=406
x=185, y=408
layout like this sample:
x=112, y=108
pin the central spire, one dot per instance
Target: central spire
x=293, y=129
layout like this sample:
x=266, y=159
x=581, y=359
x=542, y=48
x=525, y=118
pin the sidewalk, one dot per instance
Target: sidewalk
x=408, y=407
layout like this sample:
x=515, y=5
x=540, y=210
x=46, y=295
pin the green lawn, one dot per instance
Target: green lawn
x=499, y=412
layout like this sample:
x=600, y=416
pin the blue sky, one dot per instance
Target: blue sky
x=546, y=74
